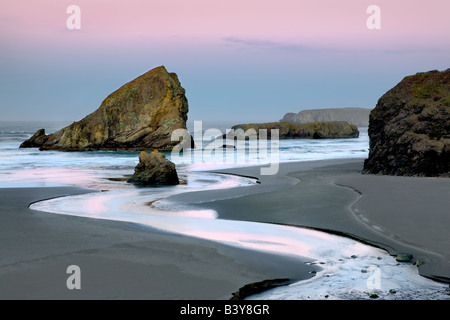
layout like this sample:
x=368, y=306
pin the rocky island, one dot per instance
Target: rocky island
x=357, y=116
x=313, y=130
x=141, y=115
x=409, y=128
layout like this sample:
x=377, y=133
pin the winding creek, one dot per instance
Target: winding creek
x=348, y=268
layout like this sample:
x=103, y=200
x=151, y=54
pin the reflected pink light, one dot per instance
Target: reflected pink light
x=277, y=239
x=51, y=175
x=199, y=214
x=96, y=204
x=266, y=241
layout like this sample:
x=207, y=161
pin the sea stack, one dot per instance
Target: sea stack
x=154, y=169
x=409, y=129
x=141, y=115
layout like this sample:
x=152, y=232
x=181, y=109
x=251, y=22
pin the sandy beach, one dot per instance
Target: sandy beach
x=118, y=260
x=130, y=261
x=398, y=214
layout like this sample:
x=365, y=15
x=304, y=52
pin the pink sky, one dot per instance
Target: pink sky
x=232, y=56
x=322, y=23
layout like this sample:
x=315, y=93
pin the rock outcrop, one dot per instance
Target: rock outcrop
x=141, y=115
x=313, y=130
x=409, y=128
x=154, y=169
x=37, y=140
x=357, y=116
x=258, y=287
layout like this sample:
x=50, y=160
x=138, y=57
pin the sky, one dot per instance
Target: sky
x=239, y=60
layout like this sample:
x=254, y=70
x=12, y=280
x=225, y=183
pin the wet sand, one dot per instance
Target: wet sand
x=118, y=260
x=128, y=261
x=398, y=214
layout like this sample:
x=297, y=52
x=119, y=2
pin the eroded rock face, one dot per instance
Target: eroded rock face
x=409, y=129
x=313, y=130
x=141, y=115
x=154, y=169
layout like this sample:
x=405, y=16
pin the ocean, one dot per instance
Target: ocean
x=104, y=170
x=26, y=167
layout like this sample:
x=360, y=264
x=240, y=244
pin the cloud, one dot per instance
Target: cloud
x=269, y=45
x=358, y=49
x=250, y=42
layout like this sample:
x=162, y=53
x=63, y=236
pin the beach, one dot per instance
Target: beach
x=118, y=260
x=225, y=150
x=398, y=214
x=121, y=260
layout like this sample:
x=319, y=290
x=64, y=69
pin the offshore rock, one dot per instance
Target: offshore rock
x=357, y=116
x=409, y=128
x=313, y=130
x=141, y=115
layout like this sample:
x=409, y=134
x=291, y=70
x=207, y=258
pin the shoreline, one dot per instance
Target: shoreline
x=434, y=255
x=118, y=260
x=347, y=176
x=243, y=203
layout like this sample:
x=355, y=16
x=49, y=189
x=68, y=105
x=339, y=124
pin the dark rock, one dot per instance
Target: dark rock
x=154, y=169
x=418, y=263
x=409, y=129
x=404, y=257
x=314, y=130
x=258, y=287
x=141, y=115
x=36, y=141
x=227, y=146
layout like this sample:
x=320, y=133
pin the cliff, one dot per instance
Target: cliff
x=409, y=129
x=140, y=115
x=356, y=116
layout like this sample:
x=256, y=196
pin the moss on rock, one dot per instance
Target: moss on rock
x=138, y=116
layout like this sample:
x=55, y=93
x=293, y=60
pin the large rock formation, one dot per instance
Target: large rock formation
x=154, y=169
x=357, y=116
x=409, y=128
x=313, y=130
x=140, y=115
